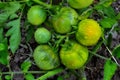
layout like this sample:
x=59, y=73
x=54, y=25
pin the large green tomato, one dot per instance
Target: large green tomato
x=36, y=15
x=45, y=57
x=64, y=20
x=73, y=55
x=42, y=35
x=78, y=4
x=89, y=32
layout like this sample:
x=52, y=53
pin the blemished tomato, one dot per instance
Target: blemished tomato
x=45, y=57
x=64, y=20
x=89, y=32
x=36, y=15
x=73, y=55
x=42, y=35
x=78, y=4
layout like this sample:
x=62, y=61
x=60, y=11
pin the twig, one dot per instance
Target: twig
x=112, y=56
x=20, y=72
x=50, y=73
x=43, y=4
x=99, y=55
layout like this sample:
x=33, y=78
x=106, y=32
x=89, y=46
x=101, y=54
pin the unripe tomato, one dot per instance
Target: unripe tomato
x=89, y=32
x=36, y=15
x=45, y=57
x=42, y=35
x=71, y=14
x=73, y=55
x=78, y=4
x=64, y=20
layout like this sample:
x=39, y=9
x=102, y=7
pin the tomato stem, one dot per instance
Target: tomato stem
x=50, y=73
x=49, y=6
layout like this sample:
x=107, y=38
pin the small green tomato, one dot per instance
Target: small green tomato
x=78, y=4
x=36, y=15
x=64, y=20
x=42, y=35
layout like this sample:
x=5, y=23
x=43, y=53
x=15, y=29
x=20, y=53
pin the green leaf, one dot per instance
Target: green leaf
x=8, y=9
x=85, y=14
x=13, y=16
x=12, y=7
x=50, y=74
x=8, y=77
x=2, y=46
x=15, y=34
x=30, y=33
x=109, y=70
x=109, y=12
x=3, y=18
x=118, y=16
x=1, y=34
x=107, y=22
x=4, y=53
x=29, y=77
x=60, y=78
x=25, y=66
x=2, y=5
x=116, y=51
x=107, y=2
x=105, y=10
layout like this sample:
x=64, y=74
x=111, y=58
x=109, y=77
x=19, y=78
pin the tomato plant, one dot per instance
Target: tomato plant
x=70, y=37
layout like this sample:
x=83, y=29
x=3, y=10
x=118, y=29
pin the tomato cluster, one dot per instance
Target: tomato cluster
x=76, y=34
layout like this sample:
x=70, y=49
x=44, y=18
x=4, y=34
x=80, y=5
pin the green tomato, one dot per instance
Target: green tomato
x=36, y=15
x=42, y=35
x=64, y=20
x=73, y=55
x=89, y=32
x=71, y=14
x=45, y=57
x=78, y=4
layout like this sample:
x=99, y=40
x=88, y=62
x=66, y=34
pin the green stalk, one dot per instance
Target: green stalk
x=82, y=74
x=50, y=74
x=20, y=72
x=49, y=6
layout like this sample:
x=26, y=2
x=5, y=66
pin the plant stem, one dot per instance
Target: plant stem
x=112, y=56
x=50, y=74
x=20, y=72
x=82, y=76
x=49, y=6
x=99, y=55
x=94, y=51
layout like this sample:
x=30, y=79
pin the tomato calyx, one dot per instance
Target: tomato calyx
x=68, y=45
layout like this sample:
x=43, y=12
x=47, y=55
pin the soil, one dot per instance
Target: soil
x=93, y=70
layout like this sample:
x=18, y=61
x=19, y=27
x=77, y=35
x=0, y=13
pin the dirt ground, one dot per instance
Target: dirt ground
x=93, y=70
